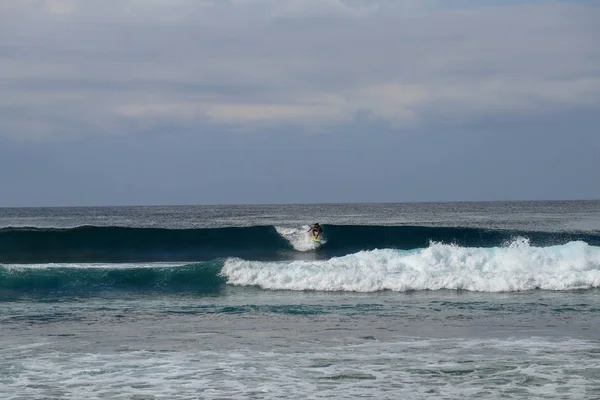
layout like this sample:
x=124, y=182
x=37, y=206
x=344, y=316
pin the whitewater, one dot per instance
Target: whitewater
x=516, y=267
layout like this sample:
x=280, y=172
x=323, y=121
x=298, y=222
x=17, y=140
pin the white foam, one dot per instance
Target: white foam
x=414, y=368
x=516, y=267
x=299, y=238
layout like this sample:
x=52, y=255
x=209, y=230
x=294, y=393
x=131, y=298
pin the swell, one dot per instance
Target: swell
x=198, y=277
x=123, y=244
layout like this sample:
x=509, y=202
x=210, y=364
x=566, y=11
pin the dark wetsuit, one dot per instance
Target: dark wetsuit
x=316, y=230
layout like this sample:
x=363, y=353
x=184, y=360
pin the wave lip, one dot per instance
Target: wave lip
x=517, y=267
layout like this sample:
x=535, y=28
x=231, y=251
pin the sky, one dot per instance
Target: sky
x=156, y=102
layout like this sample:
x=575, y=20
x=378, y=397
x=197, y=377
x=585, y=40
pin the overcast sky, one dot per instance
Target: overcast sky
x=106, y=102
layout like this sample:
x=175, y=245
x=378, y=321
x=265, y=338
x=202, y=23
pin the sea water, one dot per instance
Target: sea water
x=478, y=300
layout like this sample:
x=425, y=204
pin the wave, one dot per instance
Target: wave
x=88, y=278
x=122, y=244
x=517, y=267
x=266, y=243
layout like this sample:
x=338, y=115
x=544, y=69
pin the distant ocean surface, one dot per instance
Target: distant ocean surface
x=417, y=301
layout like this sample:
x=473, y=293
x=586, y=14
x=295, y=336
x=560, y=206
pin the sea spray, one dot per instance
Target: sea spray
x=300, y=238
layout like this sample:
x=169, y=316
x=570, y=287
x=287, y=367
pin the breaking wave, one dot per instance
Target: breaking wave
x=515, y=267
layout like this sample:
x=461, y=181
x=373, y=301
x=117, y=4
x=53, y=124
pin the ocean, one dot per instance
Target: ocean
x=416, y=301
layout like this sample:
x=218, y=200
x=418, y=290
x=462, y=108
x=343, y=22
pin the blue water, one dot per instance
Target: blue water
x=484, y=300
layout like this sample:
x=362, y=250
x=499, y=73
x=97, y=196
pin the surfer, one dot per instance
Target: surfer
x=316, y=230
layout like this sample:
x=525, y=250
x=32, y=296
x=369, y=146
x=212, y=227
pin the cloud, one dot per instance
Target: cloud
x=74, y=67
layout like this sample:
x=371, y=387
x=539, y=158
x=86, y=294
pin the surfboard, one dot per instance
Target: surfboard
x=316, y=239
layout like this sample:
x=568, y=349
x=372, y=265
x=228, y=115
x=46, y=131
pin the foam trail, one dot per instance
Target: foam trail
x=299, y=238
x=517, y=267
